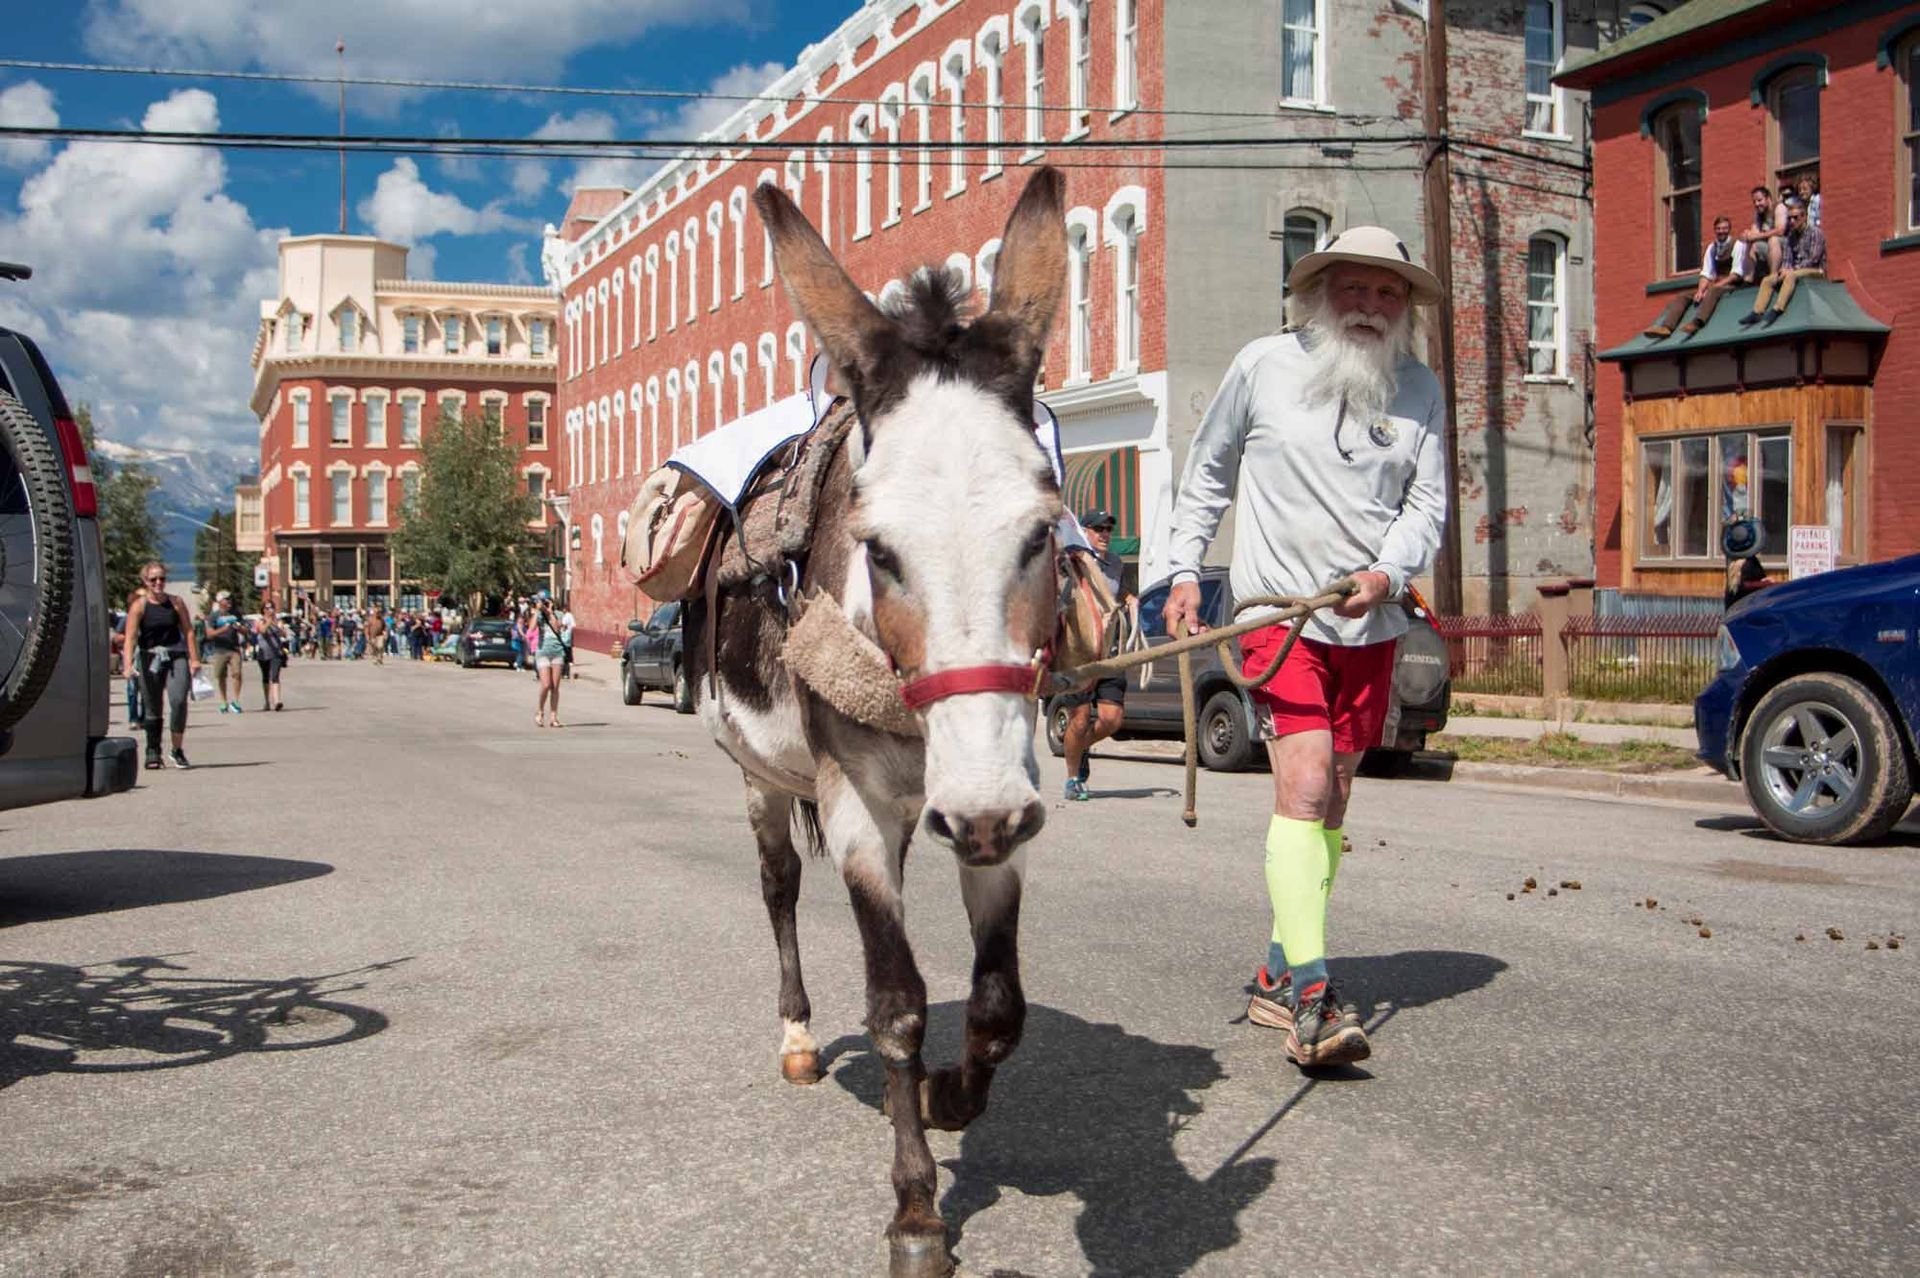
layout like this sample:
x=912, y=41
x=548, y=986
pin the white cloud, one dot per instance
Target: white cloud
x=701, y=114
x=517, y=271
x=405, y=209
x=523, y=42
x=147, y=282
x=27, y=105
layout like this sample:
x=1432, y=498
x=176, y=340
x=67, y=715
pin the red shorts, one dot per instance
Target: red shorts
x=1321, y=687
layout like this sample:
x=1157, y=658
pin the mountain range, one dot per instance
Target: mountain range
x=192, y=486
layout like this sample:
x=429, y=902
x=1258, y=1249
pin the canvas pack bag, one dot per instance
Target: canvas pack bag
x=668, y=528
x=1090, y=617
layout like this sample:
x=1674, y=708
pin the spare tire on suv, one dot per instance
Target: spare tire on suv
x=36, y=587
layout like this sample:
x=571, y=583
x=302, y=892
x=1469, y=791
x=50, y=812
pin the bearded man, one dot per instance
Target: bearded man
x=1332, y=434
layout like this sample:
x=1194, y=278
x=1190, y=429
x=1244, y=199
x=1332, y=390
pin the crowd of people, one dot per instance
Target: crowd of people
x=1782, y=245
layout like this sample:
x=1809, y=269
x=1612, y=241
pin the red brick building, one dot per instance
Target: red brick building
x=1805, y=419
x=353, y=364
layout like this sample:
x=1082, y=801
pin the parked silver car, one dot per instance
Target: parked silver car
x=54, y=616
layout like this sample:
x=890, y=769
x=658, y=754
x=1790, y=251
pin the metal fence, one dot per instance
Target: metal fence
x=1664, y=658
x=1493, y=655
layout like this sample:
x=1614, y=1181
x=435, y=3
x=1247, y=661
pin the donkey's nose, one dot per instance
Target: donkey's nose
x=985, y=838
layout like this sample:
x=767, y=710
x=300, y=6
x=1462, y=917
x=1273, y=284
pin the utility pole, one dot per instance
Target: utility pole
x=1438, y=198
x=340, y=50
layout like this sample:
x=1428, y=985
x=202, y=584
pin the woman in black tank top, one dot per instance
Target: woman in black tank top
x=160, y=636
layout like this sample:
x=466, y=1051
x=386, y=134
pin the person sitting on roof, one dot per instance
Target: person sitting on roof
x=1717, y=277
x=1803, y=255
x=1807, y=187
x=1759, y=250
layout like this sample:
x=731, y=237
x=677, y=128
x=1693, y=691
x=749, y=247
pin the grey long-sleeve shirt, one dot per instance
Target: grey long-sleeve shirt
x=1312, y=508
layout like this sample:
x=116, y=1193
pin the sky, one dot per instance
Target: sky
x=150, y=262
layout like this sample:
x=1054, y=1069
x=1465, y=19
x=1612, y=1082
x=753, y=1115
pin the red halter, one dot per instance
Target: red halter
x=1005, y=676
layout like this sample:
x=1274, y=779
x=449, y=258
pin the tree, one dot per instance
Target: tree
x=217, y=562
x=129, y=530
x=466, y=531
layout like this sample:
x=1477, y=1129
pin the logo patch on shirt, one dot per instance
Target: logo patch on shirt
x=1383, y=433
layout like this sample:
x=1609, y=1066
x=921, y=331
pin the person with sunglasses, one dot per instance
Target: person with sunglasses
x=160, y=635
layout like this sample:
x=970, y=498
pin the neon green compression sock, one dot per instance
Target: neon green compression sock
x=1334, y=839
x=1298, y=879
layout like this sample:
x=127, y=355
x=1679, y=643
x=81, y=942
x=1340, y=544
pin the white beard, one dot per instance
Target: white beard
x=1361, y=371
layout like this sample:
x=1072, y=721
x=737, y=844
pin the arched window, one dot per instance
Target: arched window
x=620, y=433
x=673, y=281
x=593, y=442
x=797, y=354
x=891, y=109
x=920, y=101
x=1030, y=30
x=823, y=170
x=717, y=386
x=1126, y=45
x=860, y=132
x=634, y=271
x=1126, y=218
x=653, y=292
x=737, y=361
x=1079, y=63
x=673, y=404
x=961, y=266
x=1079, y=301
x=690, y=387
x=690, y=250
x=619, y=282
x=1546, y=306
x=1302, y=231
x=766, y=178
x=953, y=73
x=653, y=420
x=1676, y=174
x=737, y=214
x=1793, y=124
x=599, y=526
x=592, y=307
x=991, y=47
x=715, y=220
x=635, y=397
x=983, y=263
x=1906, y=63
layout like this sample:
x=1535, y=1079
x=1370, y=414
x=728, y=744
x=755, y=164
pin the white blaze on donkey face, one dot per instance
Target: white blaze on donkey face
x=950, y=456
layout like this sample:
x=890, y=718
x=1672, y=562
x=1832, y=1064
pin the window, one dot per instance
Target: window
x=1079, y=83
x=491, y=411
x=1302, y=231
x=341, y=431
x=1127, y=290
x=410, y=421
x=1692, y=487
x=496, y=335
x=536, y=423
x=992, y=53
x=342, y=482
x=956, y=77
x=1793, y=99
x=410, y=334
x=1908, y=63
x=293, y=329
x=1301, y=58
x=349, y=326
x=377, y=497
x=1079, y=304
x=1546, y=306
x=920, y=99
x=300, y=424
x=536, y=485
x=409, y=489
x=450, y=331
x=1033, y=32
x=452, y=407
x=537, y=336
x=890, y=112
x=1676, y=134
x=1543, y=59
x=302, y=509
x=376, y=420
x=859, y=132
x=1126, y=67
x=1842, y=491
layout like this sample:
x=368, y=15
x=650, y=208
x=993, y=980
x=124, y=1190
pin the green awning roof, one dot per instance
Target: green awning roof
x=1818, y=306
x=1688, y=18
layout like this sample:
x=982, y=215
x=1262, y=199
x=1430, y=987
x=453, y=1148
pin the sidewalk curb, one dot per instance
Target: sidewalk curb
x=1621, y=785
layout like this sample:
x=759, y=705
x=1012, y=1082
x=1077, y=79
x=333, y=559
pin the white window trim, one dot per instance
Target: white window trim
x=984, y=263
x=737, y=214
x=1128, y=337
x=297, y=474
x=368, y=398
x=737, y=363
x=990, y=54
x=336, y=394
x=1079, y=16
x=527, y=400
x=1030, y=30
x=339, y=470
x=1561, y=362
x=921, y=87
x=1557, y=96
x=892, y=114
x=1323, y=232
x=956, y=67
x=1126, y=61
x=419, y=396
x=860, y=130
x=378, y=471
x=767, y=355
x=1082, y=226
x=297, y=401
x=1321, y=99
x=716, y=221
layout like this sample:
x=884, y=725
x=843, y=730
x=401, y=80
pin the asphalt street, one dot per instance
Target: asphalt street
x=396, y=983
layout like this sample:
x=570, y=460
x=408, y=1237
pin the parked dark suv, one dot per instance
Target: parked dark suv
x=651, y=659
x=54, y=617
x=1225, y=720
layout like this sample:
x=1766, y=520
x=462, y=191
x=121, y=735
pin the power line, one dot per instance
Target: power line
x=585, y=91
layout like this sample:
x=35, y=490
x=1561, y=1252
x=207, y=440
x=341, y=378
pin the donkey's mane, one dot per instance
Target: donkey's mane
x=940, y=330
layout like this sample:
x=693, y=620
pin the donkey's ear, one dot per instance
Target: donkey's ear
x=1031, y=275
x=849, y=327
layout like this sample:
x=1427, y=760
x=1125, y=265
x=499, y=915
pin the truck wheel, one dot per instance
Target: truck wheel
x=1226, y=743
x=1822, y=762
x=1058, y=712
x=630, y=689
x=36, y=560
x=682, y=690
x=1382, y=762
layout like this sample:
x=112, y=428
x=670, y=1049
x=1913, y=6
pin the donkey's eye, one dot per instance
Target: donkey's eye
x=1036, y=541
x=882, y=559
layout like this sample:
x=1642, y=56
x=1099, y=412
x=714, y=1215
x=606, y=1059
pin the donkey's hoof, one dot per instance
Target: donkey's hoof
x=800, y=1067
x=918, y=1256
x=943, y=1102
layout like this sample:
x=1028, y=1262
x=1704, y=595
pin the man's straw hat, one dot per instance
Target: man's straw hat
x=1369, y=246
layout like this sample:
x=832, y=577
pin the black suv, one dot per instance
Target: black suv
x=55, y=685
x=1225, y=723
x=651, y=659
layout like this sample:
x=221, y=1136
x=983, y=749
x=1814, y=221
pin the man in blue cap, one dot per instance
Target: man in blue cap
x=1095, y=714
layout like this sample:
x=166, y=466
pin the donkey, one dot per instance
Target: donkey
x=934, y=533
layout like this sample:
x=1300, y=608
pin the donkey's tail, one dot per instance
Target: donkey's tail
x=806, y=823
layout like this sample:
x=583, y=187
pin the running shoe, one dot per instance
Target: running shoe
x=223, y=708
x=1077, y=790
x=153, y=759
x=236, y=707
x=178, y=759
x=1271, y=1004
x=1324, y=1033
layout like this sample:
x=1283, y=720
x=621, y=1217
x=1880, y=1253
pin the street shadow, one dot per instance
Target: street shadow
x=137, y=1014
x=1904, y=835
x=1428, y=766
x=252, y=763
x=1142, y=792
x=1089, y=1110
x=60, y=885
